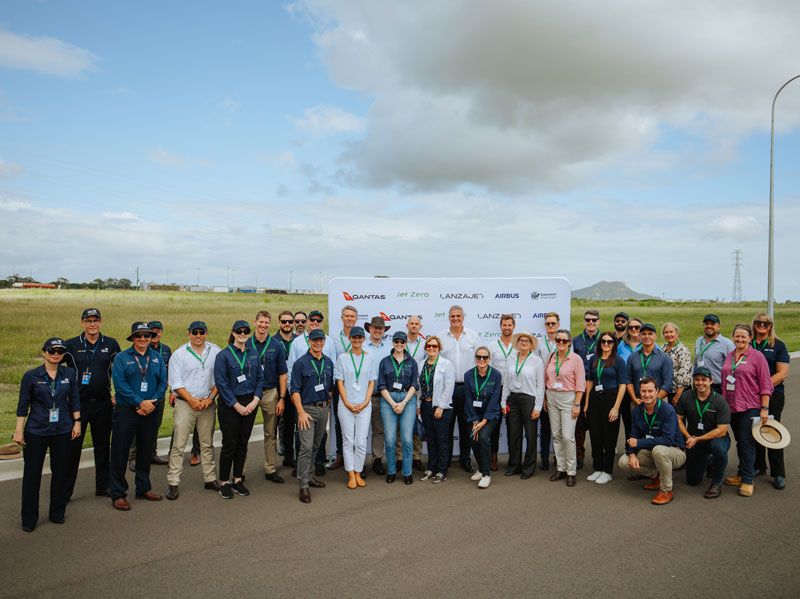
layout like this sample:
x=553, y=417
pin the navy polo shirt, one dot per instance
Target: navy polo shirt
x=775, y=354
x=661, y=430
x=612, y=377
x=307, y=373
x=586, y=347
x=387, y=375
x=230, y=364
x=130, y=369
x=272, y=358
x=489, y=396
x=658, y=365
x=94, y=359
x=38, y=394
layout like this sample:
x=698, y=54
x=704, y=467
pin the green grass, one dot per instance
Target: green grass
x=28, y=317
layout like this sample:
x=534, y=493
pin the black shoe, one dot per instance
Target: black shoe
x=157, y=460
x=390, y=478
x=305, y=496
x=274, y=477
x=212, y=485
x=571, y=480
x=378, y=467
x=57, y=520
x=467, y=467
x=557, y=475
x=28, y=528
x=418, y=466
x=513, y=472
x=240, y=489
x=580, y=463
x=544, y=465
x=225, y=491
x=319, y=470
x=528, y=474
x=102, y=493
x=408, y=479
x=316, y=484
x=172, y=492
x=761, y=471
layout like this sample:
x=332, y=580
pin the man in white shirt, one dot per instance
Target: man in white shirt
x=377, y=348
x=191, y=377
x=458, y=346
x=502, y=350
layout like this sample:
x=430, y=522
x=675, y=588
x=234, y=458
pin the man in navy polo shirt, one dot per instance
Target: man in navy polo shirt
x=649, y=361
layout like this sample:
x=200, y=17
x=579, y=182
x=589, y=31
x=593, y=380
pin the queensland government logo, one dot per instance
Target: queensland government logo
x=536, y=295
x=461, y=296
x=359, y=296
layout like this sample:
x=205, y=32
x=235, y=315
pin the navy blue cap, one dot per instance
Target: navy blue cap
x=357, y=332
x=89, y=312
x=399, y=335
x=711, y=317
x=197, y=324
x=623, y=314
x=156, y=324
x=316, y=334
x=240, y=324
x=139, y=327
x=701, y=371
x=53, y=342
x=648, y=327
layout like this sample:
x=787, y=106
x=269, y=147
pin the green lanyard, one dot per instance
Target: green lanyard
x=558, y=363
x=398, y=368
x=360, y=365
x=307, y=342
x=344, y=343
x=547, y=343
x=321, y=368
x=666, y=346
x=736, y=365
x=650, y=423
x=479, y=389
x=589, y=348
x=428, y=370
x=199, y=359
x=600, y=367
x=644, y=364
x=518, y=368
x=505, y=354
x=704, y=349
x=238, y=361
x=263, y=351
x=414, y=353
x=762, y=346
x=700, y=412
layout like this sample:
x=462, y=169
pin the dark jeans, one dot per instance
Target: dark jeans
x=159, y=418
x=776, y=466
x=482, y=446
x=98, y=415
x=603, y=433
x=288, y=438
x=127, y=426
x=236, y=431
x=545, y=437
x=439, y=437
x=36, y=447
x=519, y=420
x=464, y=427
x=742, y=425
x=699, y=456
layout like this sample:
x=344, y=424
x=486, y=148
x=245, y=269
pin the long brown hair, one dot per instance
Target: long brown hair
x=612, y=355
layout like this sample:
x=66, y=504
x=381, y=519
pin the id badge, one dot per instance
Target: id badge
x=356, y=386
x=143, y=387
x=397, y=386
x=241, y=378
x=730, y=387
x=477, y=404
x=87, y=376
x=701, y=362
x=648, y=436
x=319, y=387
x=589, y=357
x=54, y=415
x=517, y=385
x=700, y=426
x=598, y=388
x=558, y=385
x=262, y=368
x=731, y=379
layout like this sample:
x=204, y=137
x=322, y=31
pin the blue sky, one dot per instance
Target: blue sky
x=356, y=138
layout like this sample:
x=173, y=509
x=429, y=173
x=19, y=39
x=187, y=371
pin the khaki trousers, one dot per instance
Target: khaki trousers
x=268, y=403
x=660, y=460
x=185, y=421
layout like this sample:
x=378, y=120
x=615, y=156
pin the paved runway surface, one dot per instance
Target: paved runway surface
x=517, y=538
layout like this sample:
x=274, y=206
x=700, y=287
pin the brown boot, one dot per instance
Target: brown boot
x=360, y=481
x=654, y=484
x=351, y=480
x=662, y=498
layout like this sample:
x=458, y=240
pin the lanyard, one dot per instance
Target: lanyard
x=479, y=389
x=428, y=370
x=736, y=365
x=308, y=344
x=704, y=349
x=650, y=423
x=344, y=343
x=360, y=364
x=600, y=367
x=321, y=367
x=762, y=346
x=667, y=348
x=518, y=368
x=547, y=343
x=398, y=368
x=55, y=386
x=589, y=348
x=700, y=412
x=93, y=351
x=238, y=361
x=199, y=359
x=263, y=351
x=644, y=364
x=558, y=363
x=142, y=371
x=414, y=353
x=505, y=353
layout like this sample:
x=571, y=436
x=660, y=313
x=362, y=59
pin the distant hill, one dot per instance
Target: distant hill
x=610, y=290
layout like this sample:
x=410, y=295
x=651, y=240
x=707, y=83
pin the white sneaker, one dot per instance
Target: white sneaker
x=477, y=476
x=594, y=475
x=485, y=482
x=604, y=478
x=427, y=475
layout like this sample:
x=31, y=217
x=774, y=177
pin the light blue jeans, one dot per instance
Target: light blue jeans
x=406, y=420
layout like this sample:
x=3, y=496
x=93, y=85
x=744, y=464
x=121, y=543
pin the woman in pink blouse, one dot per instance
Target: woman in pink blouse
x=565, y=382
x=747, y=387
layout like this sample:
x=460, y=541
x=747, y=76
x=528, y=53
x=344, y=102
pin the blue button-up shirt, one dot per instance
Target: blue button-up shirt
x=387, y=375
x=585, y=346
x=228, y=368
x=93, y=360
x=305, y=377
x=272, y=358
x=38, y=394
x=624, y=350
x=664, y=429
x=658, y=365
x=489, y=397
x=128, y=376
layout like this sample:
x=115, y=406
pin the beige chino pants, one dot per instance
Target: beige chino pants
x=185, y=420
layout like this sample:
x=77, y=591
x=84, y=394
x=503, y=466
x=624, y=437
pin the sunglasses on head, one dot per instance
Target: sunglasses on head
x=591, y=319
x=242, y=331
x=286, y=321
x=56, y=351
x=431, y=346
x=142, y=335
x=481, y=357
x=762, y=323
x=198, y=331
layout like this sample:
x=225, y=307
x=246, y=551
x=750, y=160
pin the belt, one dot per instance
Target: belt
x=318, y=404
x=461, y=383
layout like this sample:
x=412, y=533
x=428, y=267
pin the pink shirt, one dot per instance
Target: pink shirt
x=571, y=373
x=752, y=380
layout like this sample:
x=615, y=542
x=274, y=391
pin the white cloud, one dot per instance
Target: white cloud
x=14, y=205
x=124, y=216
x=43, y=54
x=328, y=120
x=735, y=227
x=9, y=170
x=161, y=156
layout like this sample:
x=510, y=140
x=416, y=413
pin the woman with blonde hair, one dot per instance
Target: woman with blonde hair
x=681, y=361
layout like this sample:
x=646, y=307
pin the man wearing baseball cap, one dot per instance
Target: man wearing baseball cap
x=91, y=354
x=711, y=348
x=649, y=361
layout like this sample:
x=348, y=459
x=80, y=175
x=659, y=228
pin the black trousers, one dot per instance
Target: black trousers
x=159, y=417
x=519, y=421
x=603, y=434
x=438, y=437
x=288, y=424
x=464, y=427
x=481, y=446
x=36, y=447
x=236, y=431
x=99, y=415
x=625, y=414
x=776, y=465
x=127, y=426
x=545, y=436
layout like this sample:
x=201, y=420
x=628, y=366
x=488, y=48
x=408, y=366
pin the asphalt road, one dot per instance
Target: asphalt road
x=517, y=538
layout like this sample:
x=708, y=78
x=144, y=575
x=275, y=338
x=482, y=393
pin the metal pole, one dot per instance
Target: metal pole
x=771, y=254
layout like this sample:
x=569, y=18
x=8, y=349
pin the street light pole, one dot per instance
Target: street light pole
x=771, y=255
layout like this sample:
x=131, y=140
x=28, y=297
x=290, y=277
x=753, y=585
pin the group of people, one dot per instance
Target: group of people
x=551, y=390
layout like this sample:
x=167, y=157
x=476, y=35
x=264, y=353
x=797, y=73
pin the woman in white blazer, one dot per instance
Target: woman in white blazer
x=436, y=382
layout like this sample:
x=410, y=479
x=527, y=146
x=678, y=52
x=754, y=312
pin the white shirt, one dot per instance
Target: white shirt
x=345, y=371
x=460, y=352
x=377, y=353
x=342, y=344
x=417, y=351
x=542, y=350
x=300, y=346
x=501, y=355
x=530, y=379
x=196, y=375
x=443, y=384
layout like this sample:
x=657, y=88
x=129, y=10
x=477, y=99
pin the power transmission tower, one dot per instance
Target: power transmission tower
x=736, y=294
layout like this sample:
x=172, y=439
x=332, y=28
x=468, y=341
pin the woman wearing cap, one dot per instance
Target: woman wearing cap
x=397, y=383
x=239, y=379
x=436, y=382
x=681, y=361
x=566, y=383
x=522, y=401
x=747, y=386
x=777, y=356
x=482, y=386
x=355, y=379
x=605, y=388
x=48, y=418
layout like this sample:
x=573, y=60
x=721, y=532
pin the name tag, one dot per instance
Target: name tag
x=558, y=385
x=87, y=376
x=262, y=368
x=241, y=378
x=517, y=385
x=356, y=386
x=731, y=379
x=700, y=426
x=54, y=415
x=143, y=387
x=598, y=388
x=648, y=436
x=730, y=387
x=319, y=387
x=701, y=362
x=589, y=357
x=477, y=404
x=397, y=386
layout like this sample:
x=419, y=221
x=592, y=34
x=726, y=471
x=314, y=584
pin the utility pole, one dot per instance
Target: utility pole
x=736, y=294
x=137, y=278
x=198, y=277
x=290, y=281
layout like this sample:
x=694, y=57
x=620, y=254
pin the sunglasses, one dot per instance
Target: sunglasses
x=198, y=331
x=92, y=321
x=479, y=357
x=242, y=331
x=606, y=342
x=591, y=319
x=762, y=323
x=56, y=351
x=357, y=337
x=317, y=320
x=300, y=320
x=551, y=324
x=431, y=346
x=562, y=340
x=402, y=341
x=634, y=327
x=142, y=336
x=287, y=321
